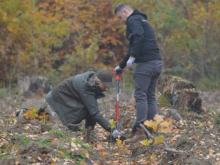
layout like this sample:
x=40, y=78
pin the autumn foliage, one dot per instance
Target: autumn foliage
x=57, y=38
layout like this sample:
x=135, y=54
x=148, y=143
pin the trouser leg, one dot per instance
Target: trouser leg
x=142, y=83
x=90, y=135
x=151, y=97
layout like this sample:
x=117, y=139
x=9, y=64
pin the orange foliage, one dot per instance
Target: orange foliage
x=67, y=36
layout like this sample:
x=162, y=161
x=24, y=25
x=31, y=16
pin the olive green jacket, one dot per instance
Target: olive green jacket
x=75, y=99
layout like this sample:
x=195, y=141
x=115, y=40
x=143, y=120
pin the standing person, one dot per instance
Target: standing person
x=75, y=99
x=144, y=52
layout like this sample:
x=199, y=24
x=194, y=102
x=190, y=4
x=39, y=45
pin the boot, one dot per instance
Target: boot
x=138, y=135
x=90, y=135
x=73, y=127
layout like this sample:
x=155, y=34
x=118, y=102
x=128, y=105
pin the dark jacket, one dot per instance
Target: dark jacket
x=75, y=99
x=142, y=40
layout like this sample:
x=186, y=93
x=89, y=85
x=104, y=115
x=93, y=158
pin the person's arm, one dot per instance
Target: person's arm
x=123, y=63
x=136, y=38
x=89, y=100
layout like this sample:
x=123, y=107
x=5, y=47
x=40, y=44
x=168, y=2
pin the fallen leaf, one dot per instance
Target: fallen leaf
x=119, y=142
x=151, y=124
x=112, y=123
x=165, y=126
x=158, y=118
x=146, y=142
x=158, y=139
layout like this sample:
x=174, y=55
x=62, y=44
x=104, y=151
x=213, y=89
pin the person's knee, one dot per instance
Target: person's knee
x=151, y=97
x=140, y=95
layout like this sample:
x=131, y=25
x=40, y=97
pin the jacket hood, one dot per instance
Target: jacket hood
x=92, y=85
x=137, y=12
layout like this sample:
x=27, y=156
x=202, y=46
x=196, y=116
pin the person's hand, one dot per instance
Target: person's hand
x=116, y=134
x=130, y=61
x=118, y=70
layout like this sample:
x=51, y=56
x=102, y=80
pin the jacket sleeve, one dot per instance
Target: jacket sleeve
x=89, y=100
x=123, y=63
x=135, y=36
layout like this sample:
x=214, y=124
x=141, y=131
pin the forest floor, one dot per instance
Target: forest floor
x=194, y=140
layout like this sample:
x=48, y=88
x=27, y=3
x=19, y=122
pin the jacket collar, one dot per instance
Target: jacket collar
x=137, y=12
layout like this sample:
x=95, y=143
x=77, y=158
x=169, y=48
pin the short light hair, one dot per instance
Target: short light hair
x=120, y=7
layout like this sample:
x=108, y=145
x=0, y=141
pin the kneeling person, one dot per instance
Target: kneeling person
x=75, y=99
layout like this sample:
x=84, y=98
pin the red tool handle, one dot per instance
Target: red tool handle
x=117, y=76
x=117, y=110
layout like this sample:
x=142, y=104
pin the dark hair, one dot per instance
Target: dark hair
x=119, y=7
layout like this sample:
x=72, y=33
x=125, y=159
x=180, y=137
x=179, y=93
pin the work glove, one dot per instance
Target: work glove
x=130, y=61
x=118, y=70
x=116, y=134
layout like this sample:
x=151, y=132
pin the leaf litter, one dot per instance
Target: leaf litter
x=28, y=143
